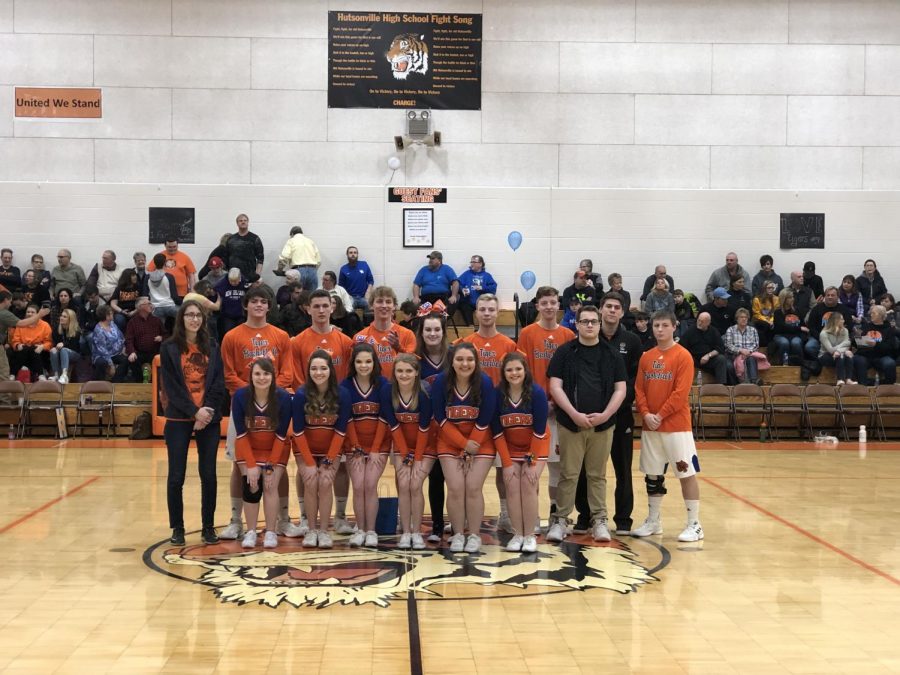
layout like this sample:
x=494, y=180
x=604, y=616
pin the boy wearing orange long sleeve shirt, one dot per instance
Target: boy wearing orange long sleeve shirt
x=662, y=390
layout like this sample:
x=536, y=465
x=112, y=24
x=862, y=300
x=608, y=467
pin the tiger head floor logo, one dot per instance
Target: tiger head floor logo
x=407, y=54
x=298, y=577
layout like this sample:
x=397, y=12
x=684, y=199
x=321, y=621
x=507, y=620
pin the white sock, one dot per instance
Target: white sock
x=503, y=509
x=693, y=510
x=655, y=502
x=340, y=509
x=284, y=514
x=237, y=505
x=302, y=507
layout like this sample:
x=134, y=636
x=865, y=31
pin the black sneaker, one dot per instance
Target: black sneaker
x=581, y=526
x=209, y=536
x=177, y=538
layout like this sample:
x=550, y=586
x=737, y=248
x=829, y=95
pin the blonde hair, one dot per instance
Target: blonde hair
x=410, y=360
x=831, y=324
x=73, y=329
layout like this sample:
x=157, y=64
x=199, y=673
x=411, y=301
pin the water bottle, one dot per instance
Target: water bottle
x=699, y=377
x=784, y=358
x=862, y=433
x=877, y=379
x=763, y=431
x=12, y=432
x=146, y=371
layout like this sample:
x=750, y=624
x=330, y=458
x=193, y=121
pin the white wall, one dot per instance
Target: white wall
x=784, y=94
x=629, y=231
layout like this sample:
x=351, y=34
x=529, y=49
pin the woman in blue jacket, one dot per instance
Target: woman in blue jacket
x=472, y=283
x=194, y=387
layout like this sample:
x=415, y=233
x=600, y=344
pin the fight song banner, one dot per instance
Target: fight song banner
x=404, y=60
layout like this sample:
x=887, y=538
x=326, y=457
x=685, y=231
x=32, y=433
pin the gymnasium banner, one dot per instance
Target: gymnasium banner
x=404, y=60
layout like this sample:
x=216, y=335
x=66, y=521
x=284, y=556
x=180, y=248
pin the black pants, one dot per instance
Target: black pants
x=226, y=323
x=101, y=368
x=445, y=298
x=36, y=362
x=468, y=311
x=178, y=437
x=621, y=453
x=136, y=368
x=436, y=497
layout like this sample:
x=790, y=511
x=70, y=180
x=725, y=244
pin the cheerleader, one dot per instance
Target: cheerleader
x=368, y=443
x=321, y=410
x=522, y=441
x=431, y=348
x=261, y=414
x=463, y=404
x=406, y=409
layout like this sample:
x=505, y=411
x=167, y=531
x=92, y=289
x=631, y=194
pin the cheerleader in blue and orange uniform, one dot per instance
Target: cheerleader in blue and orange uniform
x=463, y=404
x=522, y=441
x=368, y=441
x=431, y=348
x=321, y=410
x=406, y=409
x=261, y=414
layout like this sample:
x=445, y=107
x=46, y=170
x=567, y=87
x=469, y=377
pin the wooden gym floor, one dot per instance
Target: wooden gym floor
x=799, y=573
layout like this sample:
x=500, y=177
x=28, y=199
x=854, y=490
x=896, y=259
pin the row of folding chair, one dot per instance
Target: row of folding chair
x=806, y=409
x=35, y=406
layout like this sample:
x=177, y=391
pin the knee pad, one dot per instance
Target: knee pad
x=553, y=474
x=656, y=485
x=252, y=497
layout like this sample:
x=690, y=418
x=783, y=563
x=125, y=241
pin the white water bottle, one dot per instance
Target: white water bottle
x=12, y=433
x=862, y=433
x=699, y=377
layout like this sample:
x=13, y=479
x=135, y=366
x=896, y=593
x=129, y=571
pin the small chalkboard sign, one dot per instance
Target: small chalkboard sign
x=802, y=230
x=166, y=222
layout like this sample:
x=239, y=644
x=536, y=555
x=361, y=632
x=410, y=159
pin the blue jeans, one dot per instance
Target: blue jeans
x=121, y=321
x=793, y=346
x=309, y=279
x=811, y=349
x=178, y=438
x=885, y=366
x=360, y=302
x=59, y=361
x=843, y=367
x=751, y=371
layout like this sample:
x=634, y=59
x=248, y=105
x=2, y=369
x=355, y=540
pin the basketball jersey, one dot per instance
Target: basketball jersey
x=490, y=352
x=538, y=345
x=663, y=386
x=335, y=343
x=243, y=344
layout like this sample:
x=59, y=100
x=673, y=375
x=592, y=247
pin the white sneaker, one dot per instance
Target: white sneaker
x=448, y=528
x=557, y=532
x=342, y=526
x=63, y=378
x=839, y=383
x=270, y=540
x=530, y=544
x=648, y=528
x=600, y=532
x=691, y=532
x=324, y=539
x=504, y=524
x=249, y=540
x=457, y=542
x=434, y=538
x=53, y=378
x=371, y=539
x=515, y=544
x=233, y=531
x=418, y=543
x=42, y=378
x=405, y=540
x=288, y=529
x=358, y=539
x=311, y=540
x=473, y=544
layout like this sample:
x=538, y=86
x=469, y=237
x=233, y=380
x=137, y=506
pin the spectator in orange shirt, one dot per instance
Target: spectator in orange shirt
x=31, y=346
x=179, y=265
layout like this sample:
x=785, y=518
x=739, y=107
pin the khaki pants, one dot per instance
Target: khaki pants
x=590, y=448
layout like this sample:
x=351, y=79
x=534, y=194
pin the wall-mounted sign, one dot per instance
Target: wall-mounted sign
x=168, y=222
x=418, y=228
x=417, y=195
x=802, y=230
x=58, y=103
x=403, y=60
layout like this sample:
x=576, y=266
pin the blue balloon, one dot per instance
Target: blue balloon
x=528, y=279
x=515, y=239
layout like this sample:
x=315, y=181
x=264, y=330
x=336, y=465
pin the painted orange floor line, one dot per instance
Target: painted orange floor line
x=31, y=514
x=805, y=533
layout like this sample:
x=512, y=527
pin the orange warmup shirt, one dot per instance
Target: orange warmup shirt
x=242, y=344
x=490, y=352
x=32, y=336
x=386, y=353
x=335, y=343
x=663, y=386
x=538, y=345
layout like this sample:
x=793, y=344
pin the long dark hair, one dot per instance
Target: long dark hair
x=420, y=341
x=526, y=383
x=358, y=349
x=410, y=360
x=125, y=282
x=474, y=383
x=272, y=411
x=316, y=402
x=852, y=280
x=179, y=335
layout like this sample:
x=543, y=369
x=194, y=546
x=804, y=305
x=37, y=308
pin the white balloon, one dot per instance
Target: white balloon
x=393, y=163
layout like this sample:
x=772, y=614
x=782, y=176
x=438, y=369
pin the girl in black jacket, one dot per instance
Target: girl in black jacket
x=194, y=387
